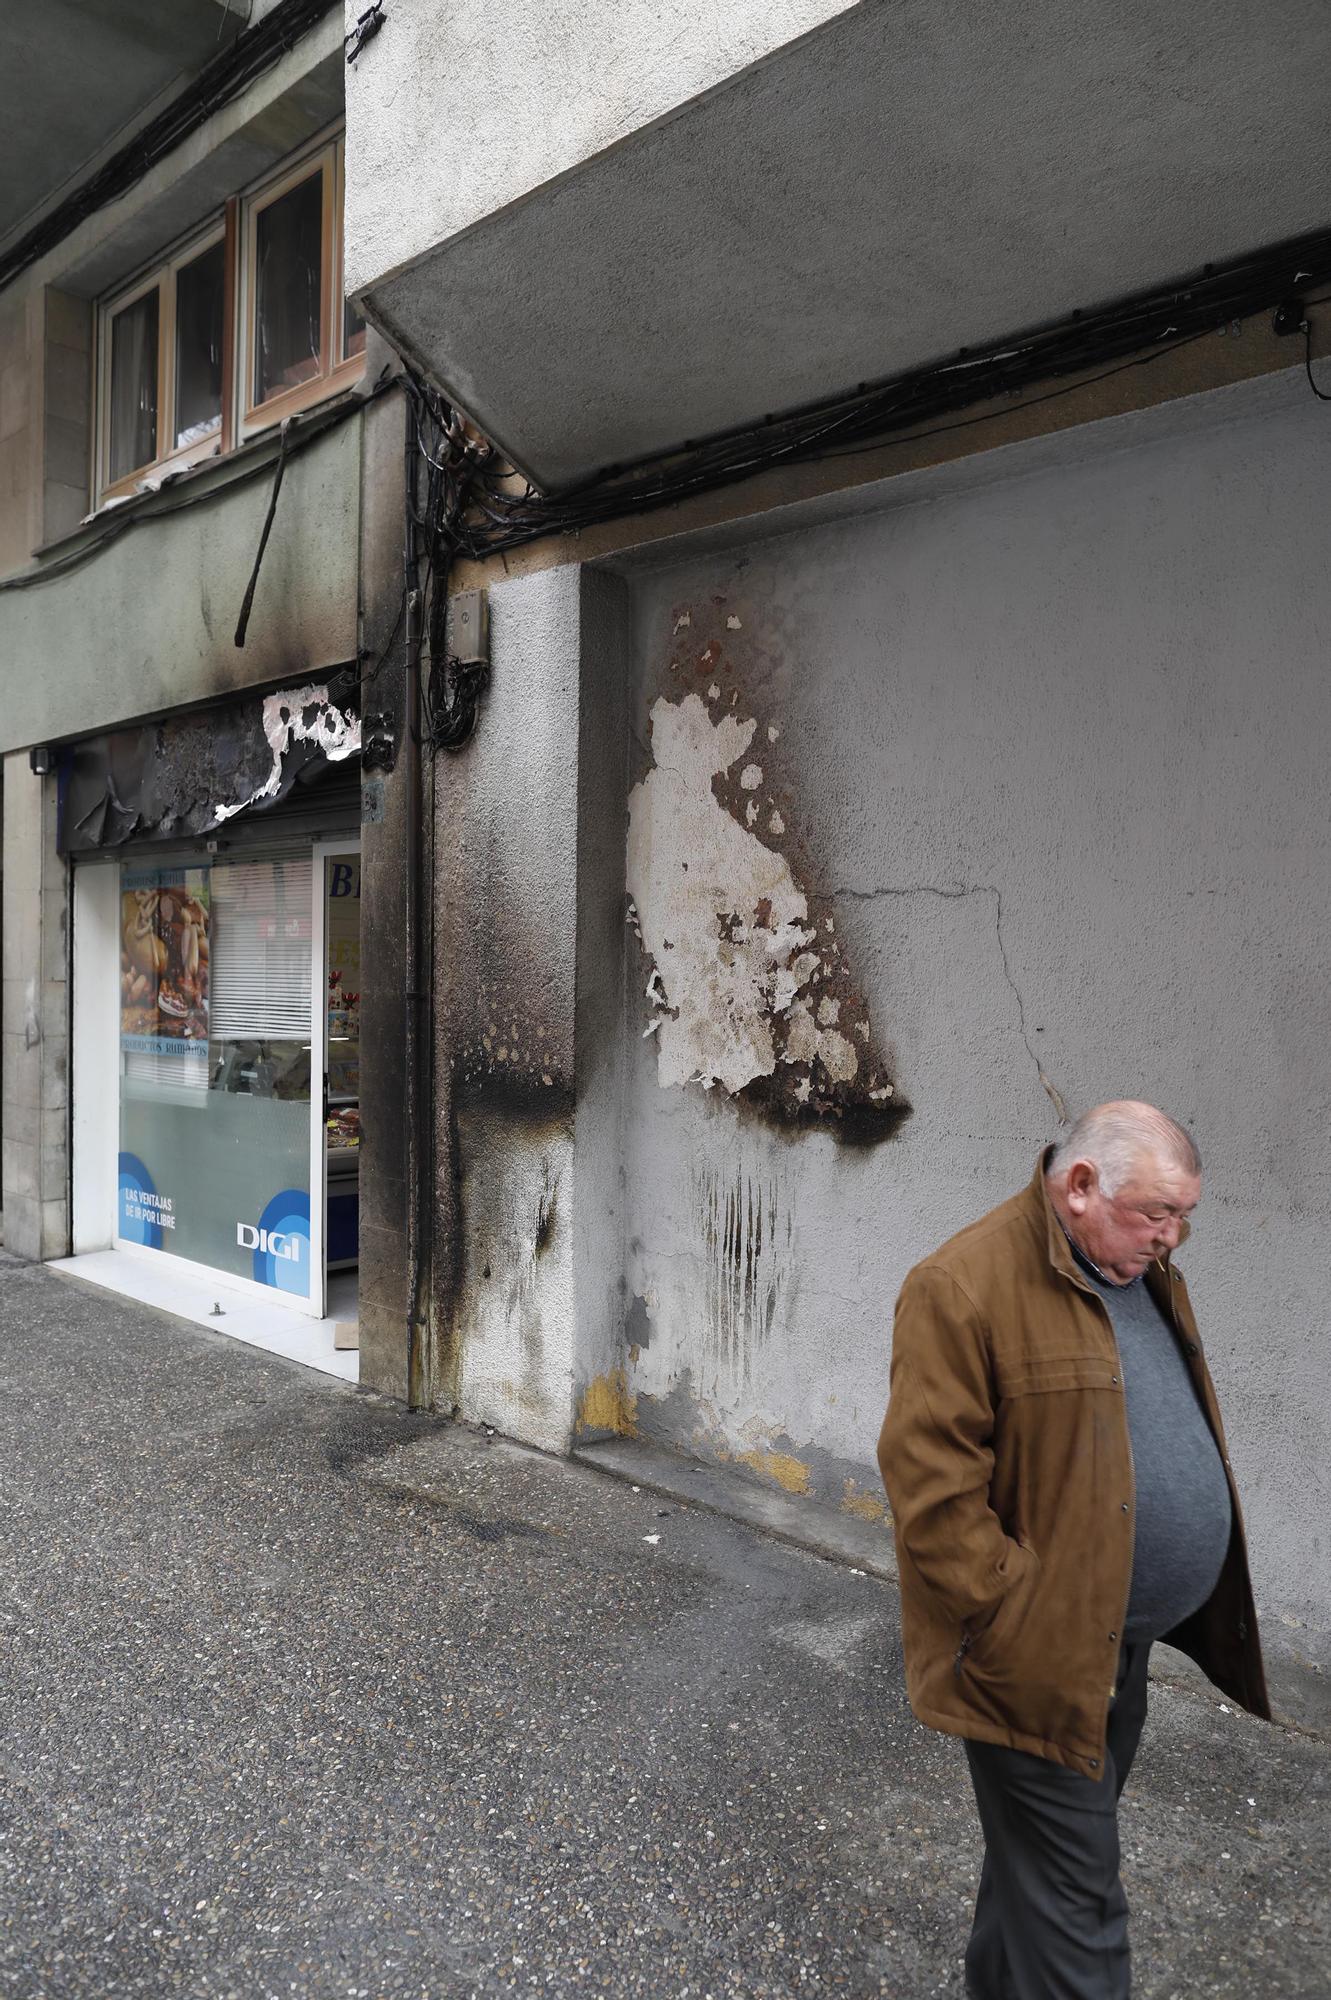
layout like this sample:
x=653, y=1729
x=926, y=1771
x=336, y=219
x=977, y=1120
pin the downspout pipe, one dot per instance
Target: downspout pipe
x=418, y=1194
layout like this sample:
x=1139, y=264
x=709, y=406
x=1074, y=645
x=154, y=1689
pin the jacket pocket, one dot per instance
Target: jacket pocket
x=1029, y=1376
x=995, y=1639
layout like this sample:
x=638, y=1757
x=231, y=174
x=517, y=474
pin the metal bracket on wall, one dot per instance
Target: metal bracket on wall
x=367, y=27
x=378, y=745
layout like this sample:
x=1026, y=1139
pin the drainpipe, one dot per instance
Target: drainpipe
x=417, y=1105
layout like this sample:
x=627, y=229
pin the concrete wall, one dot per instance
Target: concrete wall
x=1041, y=749
x=899, y=185
x=452, y=114
x=527, y=1012
x=20, y=426
x=146, y=623
x=34, y=1057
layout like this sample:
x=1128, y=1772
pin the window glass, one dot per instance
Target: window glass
x=200, y=286
x=134, y=386
x=289, y=289
x=215, y=999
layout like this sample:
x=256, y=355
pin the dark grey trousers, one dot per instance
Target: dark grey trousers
x=1051, y=1919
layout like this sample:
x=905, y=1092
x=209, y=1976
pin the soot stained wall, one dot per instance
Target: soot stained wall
x=1050, y=753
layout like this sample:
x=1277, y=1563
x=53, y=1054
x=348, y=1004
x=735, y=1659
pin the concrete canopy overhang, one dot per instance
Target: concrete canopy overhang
x=901, y=182
x=79, y=74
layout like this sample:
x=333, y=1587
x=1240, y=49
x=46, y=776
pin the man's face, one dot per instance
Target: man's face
x=1127, y=1231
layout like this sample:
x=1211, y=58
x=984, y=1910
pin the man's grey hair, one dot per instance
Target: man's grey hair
x=1115, y=1136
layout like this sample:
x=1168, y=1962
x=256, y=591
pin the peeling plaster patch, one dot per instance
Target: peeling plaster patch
x=741, y=961
x=808, y=1043
x=714, y=692
x=733, y=624
x=608, y=1404
x=779, y=1466
x=684, y=620
x=299, y=715
x=698, y=878
x=773, y=731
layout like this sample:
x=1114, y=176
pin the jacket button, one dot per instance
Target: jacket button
x=1095, y=1763
x=1192, y=1348
x=1126, y=1508
x=1112, y=1637
x=1114, y=1380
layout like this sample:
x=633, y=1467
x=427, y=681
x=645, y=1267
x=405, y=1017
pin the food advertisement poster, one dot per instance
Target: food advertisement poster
x=164, y=952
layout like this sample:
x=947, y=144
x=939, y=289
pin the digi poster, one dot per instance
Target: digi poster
x=215, y=1110
x=165, y=949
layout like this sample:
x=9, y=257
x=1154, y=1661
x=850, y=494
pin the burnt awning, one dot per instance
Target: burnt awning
x=189, y=775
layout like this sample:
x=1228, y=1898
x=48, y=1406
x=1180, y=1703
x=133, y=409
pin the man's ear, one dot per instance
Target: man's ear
x=1081, y=1184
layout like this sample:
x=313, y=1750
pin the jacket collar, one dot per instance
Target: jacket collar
x=1047, y=1223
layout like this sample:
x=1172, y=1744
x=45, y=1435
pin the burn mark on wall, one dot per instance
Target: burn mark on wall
x=750, y=988
x=748, y=1235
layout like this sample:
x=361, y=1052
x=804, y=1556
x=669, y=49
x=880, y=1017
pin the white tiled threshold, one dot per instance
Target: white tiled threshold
x=274, y=1327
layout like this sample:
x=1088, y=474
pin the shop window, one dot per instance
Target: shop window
x=216, y=1111
x=243, y=325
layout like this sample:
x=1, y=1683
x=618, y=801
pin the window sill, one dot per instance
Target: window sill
x=218, y=470
x=303, y=396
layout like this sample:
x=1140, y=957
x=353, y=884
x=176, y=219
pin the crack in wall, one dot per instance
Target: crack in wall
x=956, y=892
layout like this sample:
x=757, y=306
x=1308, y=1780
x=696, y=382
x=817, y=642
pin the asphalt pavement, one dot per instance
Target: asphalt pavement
x=301, y=1694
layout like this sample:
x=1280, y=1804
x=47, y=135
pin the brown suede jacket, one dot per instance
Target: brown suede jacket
x=1007, y=1464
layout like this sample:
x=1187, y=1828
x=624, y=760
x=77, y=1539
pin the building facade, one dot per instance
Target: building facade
x=202, y=521
x=941, y=759
x=902, y=725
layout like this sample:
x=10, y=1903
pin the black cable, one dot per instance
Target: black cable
x=147, y=508
x=1141, y=329
x=242, y=623
x=1322, y=395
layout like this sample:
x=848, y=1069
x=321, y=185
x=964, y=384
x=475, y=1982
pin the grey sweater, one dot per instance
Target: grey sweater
x=1183, y=1507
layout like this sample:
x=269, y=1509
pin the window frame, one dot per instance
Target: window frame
x=235, y=228
x=162, y=280
x=337, y=369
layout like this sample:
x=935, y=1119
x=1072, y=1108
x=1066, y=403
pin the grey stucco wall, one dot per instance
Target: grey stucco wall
x=1052, y=751
x=570, y=84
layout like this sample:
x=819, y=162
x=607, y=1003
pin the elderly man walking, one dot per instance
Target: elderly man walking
x=1061, y=1496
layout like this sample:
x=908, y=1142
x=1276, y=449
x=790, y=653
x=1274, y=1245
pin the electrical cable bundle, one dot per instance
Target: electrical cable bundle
x=485, y=510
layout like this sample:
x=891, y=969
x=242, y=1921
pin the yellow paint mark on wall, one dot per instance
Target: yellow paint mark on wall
x=608, y=1404
x=864, y=1506
x=779, y=1467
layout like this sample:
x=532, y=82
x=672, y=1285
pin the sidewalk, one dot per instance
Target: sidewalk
x=303, y=1695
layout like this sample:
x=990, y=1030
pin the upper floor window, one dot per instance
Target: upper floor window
x=245, y=324
x=162, y=362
